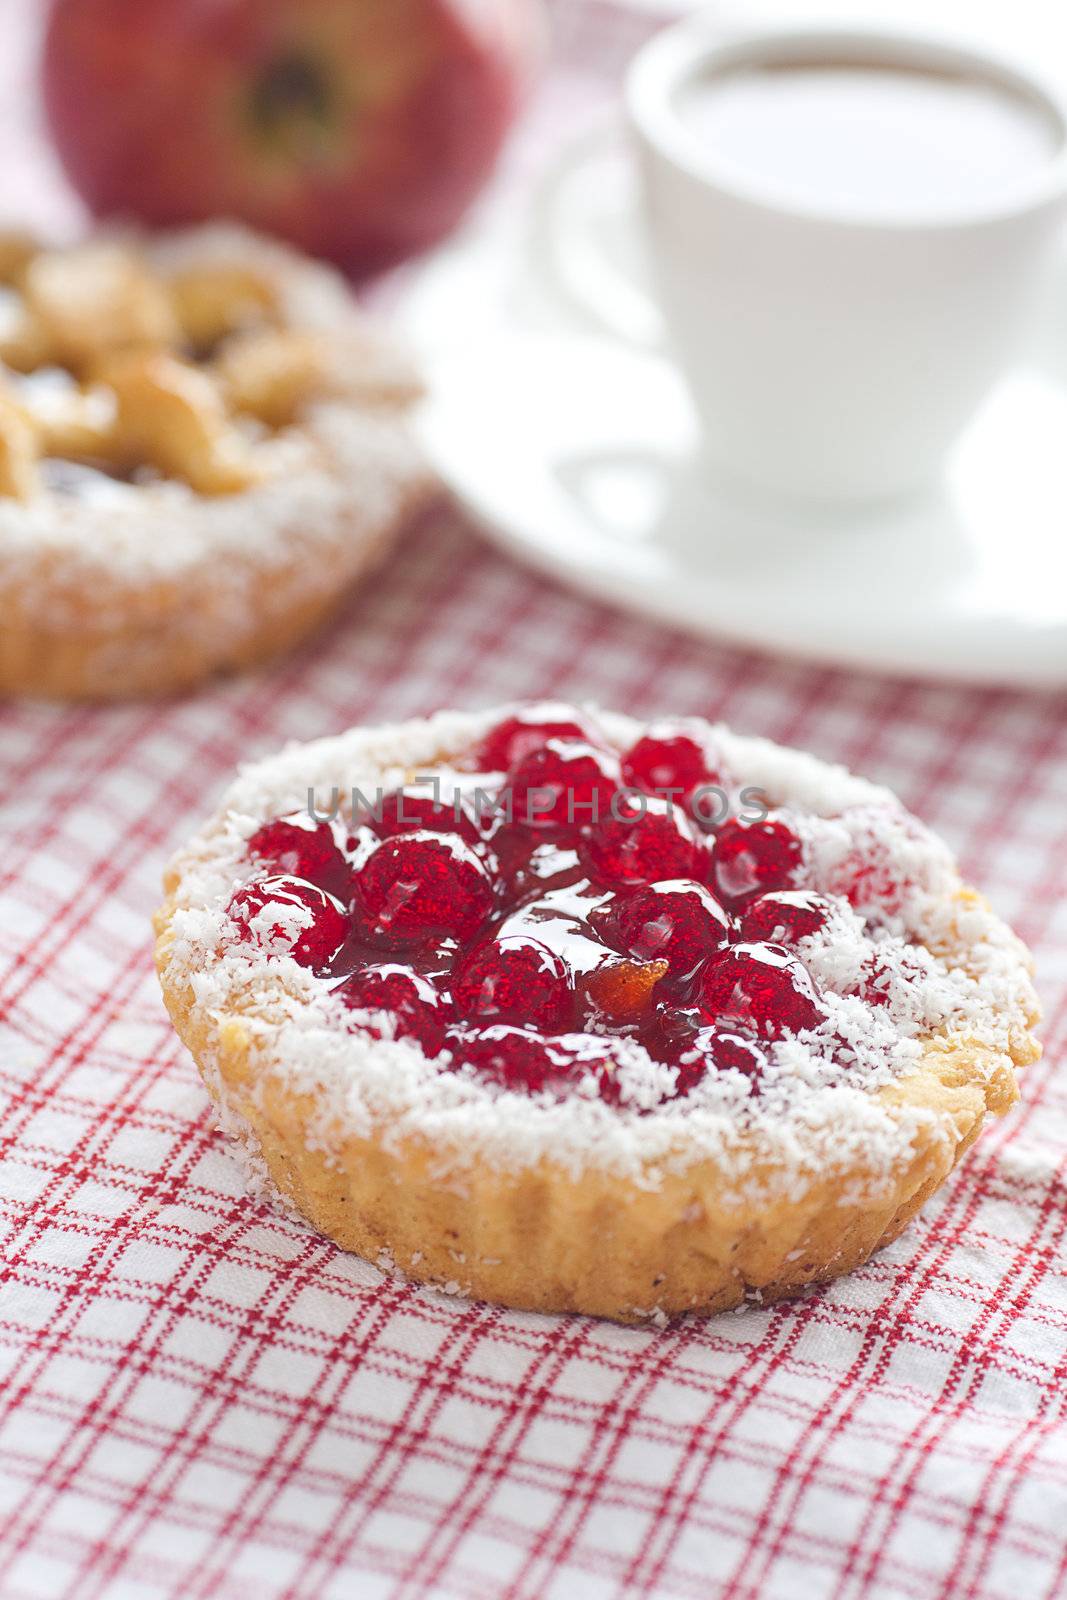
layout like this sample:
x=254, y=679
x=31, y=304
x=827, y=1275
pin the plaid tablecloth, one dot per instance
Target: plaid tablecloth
x=200, y=1399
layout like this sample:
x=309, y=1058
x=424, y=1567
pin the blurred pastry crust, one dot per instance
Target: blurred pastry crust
x=202, y=448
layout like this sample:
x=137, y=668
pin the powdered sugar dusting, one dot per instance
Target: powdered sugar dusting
x=935, y=965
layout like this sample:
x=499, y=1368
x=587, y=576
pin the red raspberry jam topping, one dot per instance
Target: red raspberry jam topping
x=869, y=881
x=562, y=783
x=875, y=984
x=299, y=847
x=762, y=987
x=407, y=811
x=412, y=1007
x=514, y=1057
x=423, y=886
x=288, y=917
x=667, y=761
x=684, y=1037
x=678, y=920
x=519, y=980
x=784, y=917
x=643, y=840
x=529, y=861
x=537, y=942
x=519, y=736
x=694, y=1067
x=670, y=1031
x=730, y=1049
x=751, y=858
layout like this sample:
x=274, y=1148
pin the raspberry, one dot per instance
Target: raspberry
x=870, y=878
x=514, y=1057
x=521, y=1059
x=784, y=917
x=519, y=736
x=417, y=1010
x=751, y=858
x=724, y=1048
x=678, y=920
x=517, y=980
x=879, y=977
x=407, y=811
x=681, y=1037
x=590, y=1055
x=421, y=887
x=647, y=840
x=299, y=847
x=527, y=861
x=760, y=986
x=359, y=844
x=672, y=1031
x=286, y=916
x=666, y=760
x=691, y=1071
x=562, y=783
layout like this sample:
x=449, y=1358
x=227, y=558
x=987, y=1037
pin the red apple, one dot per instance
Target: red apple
x=359, y=129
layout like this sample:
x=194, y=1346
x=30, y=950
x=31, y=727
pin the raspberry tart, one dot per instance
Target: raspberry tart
x=201, y=448
x=568, y=1012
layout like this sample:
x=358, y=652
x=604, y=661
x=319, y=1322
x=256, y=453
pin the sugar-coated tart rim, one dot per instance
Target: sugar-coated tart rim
x=117, y=601
x=642, y=1226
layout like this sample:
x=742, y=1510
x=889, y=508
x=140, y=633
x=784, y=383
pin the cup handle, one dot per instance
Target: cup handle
x=569, y=259
x=574, y=262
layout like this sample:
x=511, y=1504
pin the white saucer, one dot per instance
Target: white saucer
x=577, y=452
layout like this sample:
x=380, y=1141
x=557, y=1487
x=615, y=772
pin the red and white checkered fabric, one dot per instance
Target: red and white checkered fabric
x=200, y=1399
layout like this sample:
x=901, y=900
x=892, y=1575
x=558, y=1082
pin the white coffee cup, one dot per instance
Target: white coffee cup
x=830, y=354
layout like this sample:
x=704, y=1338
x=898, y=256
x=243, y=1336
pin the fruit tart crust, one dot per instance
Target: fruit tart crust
x=144, y=589
x=638, y=1230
